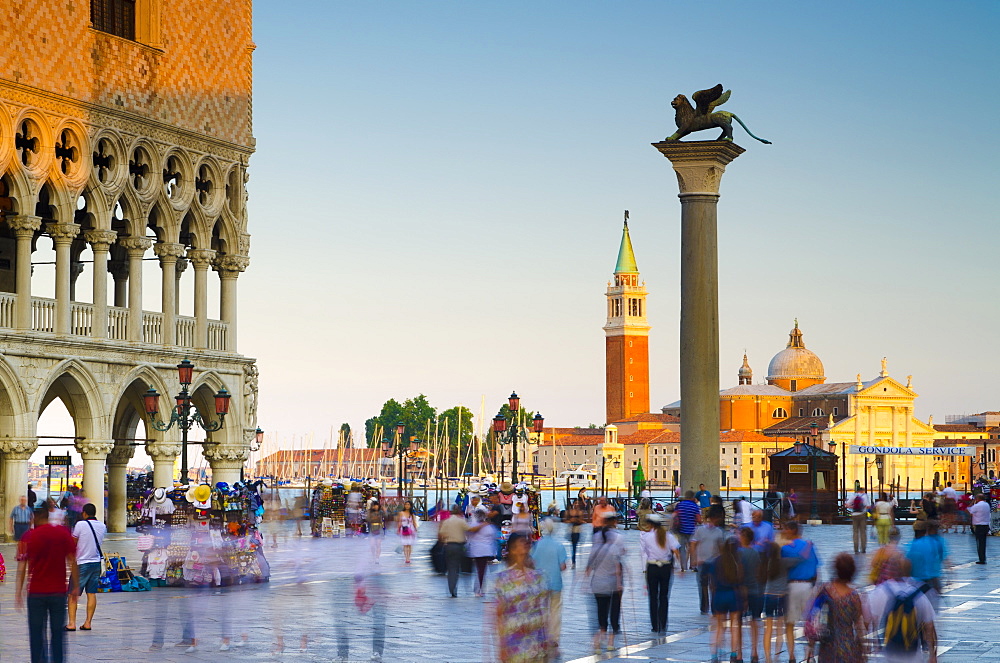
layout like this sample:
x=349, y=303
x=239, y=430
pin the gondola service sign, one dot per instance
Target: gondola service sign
x=914, y=451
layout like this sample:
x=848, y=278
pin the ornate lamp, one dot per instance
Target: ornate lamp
x=513, y=402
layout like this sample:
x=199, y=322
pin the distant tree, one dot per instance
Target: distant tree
x=414, y=413
x=345, y=435
x=524, y=417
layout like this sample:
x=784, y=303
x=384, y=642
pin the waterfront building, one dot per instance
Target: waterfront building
x=125, y=134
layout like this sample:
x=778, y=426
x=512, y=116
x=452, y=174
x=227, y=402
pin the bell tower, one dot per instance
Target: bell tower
x=626, y=338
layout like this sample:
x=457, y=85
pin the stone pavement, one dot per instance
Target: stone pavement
x=308, y=607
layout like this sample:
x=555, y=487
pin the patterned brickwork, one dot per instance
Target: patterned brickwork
x=199, y=80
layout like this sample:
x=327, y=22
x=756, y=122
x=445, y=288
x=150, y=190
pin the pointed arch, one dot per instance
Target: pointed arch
x=134, y=213
x=199, y=231
x=75, y=385
x=14, y=409
x=128, y=407
x=203, y=392
x=24, y=196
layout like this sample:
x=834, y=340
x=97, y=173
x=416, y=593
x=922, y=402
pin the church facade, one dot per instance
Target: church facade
x=125, y=135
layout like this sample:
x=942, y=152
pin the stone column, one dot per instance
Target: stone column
x=168, y=254
x=119, y=271
x=100, y=243
x=201, y=259
x=116, y=518
x=75, y=269
x=699, y=167
x=164, y=455
x=16, y=452
x=95, y=454
x=908, y=426
x=229, y=269
x=62, y=235
x=136, y=247
x=226, y=461
x=179, y=268
x=24, y=228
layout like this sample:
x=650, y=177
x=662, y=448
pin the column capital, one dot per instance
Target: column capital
x=95, y=449
x=201, y=258
x=24, y=224
x=100, y=240
x=118, y=268
x=121, y=454
x=167, y=250
x=62, y=233
x=163, y=449
x=18, y=448
x=222, y=454
x=136, y=246
x=699, y=164
x=230, y=264
x=182, y=264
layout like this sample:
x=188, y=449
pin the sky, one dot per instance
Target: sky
x=437, y=195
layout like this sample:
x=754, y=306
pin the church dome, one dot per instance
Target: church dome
x=795, y=362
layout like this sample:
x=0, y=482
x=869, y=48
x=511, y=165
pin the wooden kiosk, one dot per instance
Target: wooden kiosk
x=804, y=467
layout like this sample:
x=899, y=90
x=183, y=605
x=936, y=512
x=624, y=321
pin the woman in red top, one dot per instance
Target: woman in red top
x=964, y=502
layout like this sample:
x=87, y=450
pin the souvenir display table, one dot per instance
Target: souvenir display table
x=203, y=536
x=518, y=508
x=327, y=509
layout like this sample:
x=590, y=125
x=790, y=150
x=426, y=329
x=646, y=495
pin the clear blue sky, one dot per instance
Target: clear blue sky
x=437, y=194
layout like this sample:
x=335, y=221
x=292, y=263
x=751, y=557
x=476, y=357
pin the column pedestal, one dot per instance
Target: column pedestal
x=16, y=452
x=95, y=455
x=699, y=167
x=164, y=455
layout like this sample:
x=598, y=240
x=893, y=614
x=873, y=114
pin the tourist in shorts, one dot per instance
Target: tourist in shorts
x=803, y=566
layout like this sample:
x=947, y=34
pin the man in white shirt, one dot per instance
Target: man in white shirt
x=89, y=534
x=898, y=644
x=858, y=506
x=980, y=512
x=949, y=492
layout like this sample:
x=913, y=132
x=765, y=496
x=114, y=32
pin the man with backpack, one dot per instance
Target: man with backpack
x=906, y=620
x=858, y=506
x=927, y=556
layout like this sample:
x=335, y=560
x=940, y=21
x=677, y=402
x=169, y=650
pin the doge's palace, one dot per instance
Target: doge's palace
x=125, y=133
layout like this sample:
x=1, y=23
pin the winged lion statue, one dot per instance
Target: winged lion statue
x=704, y=115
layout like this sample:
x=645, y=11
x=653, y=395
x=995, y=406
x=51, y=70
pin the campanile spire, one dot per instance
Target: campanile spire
x=626, y=338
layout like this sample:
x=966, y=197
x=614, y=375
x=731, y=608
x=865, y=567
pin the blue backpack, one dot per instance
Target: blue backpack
x=901, y=629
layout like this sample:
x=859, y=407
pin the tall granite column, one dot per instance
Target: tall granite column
x=16, y=452
x=699, y=167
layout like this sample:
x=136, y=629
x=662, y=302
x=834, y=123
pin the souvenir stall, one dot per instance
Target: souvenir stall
x=518, y=507
x=137, y=487
x=327, y=509
x=201, y=536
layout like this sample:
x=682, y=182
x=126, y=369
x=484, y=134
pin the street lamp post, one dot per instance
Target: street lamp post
x=604, y=460
x=512, y=432
x=400, y=451
x=814, y=427
x=185, y=413
x=255, y=444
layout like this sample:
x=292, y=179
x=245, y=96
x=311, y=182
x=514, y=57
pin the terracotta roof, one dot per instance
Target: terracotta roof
x=583, y=440
x=651, y=416
x=799, y=425
x=322, y=455
x=957, y=428
x=748, y=436
x=574, y=431
x=951, y=442
x=650, y=437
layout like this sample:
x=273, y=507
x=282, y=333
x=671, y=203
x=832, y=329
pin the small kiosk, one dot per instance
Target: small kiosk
x=812, y=473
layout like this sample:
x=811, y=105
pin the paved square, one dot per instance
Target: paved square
x=309, y=608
